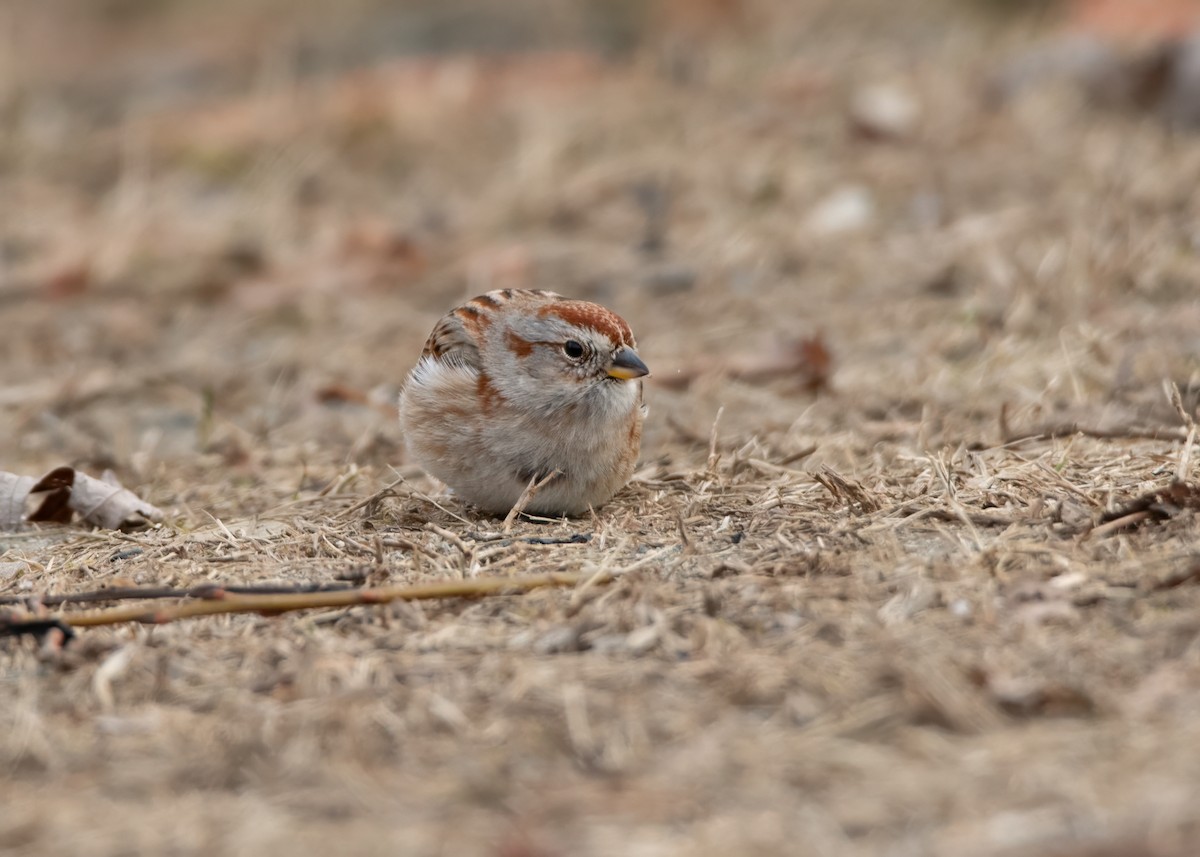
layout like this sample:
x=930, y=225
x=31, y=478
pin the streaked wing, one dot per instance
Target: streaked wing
x=451, y=343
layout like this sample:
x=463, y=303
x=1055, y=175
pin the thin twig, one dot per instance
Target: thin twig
x=501, y=539
x=204, y=590
x=273, y=604
x=1117, y=524
x=1157, y=505
x=450, y=536
x=414, y=547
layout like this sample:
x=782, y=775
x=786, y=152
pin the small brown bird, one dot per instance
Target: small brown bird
x=516, y=385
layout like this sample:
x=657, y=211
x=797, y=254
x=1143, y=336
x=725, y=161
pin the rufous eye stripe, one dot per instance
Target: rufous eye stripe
x=520, y=346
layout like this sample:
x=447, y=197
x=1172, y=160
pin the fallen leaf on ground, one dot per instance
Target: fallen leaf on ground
x=14, y=490
x=65, y=492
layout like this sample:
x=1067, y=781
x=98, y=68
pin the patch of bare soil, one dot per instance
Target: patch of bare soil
x=909, y=565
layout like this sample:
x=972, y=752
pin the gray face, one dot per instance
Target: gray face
x=564, y=351
x=554, y=364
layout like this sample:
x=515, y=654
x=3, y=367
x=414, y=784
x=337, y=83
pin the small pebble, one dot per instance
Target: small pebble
x=847, y=209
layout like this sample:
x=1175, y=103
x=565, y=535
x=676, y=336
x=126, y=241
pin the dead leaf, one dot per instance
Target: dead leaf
x=106, y=503
x=55, y=491
x=14, y=490
x=65, y=491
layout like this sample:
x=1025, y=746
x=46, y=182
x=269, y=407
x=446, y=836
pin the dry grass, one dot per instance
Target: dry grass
x=909, y=640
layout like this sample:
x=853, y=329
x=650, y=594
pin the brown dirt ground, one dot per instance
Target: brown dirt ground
x=924, y=651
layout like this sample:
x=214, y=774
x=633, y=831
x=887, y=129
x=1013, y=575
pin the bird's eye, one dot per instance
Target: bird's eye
x=573, y=349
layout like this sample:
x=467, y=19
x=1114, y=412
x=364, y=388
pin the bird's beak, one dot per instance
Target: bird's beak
x=626, y=365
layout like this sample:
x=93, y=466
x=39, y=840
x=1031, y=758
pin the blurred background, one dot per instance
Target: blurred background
x=246, y=213
x=909, y=248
